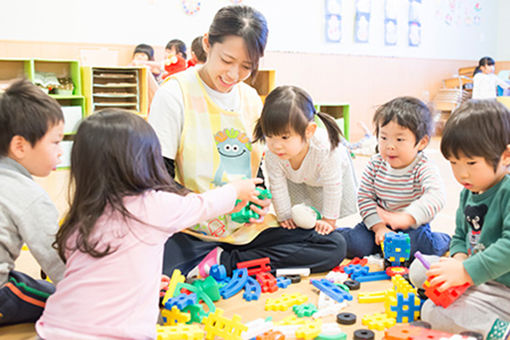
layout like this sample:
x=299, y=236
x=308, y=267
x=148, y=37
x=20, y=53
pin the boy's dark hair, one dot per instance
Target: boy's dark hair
x=26, y=111
x=478, y=128
x=408, y=112
x=144, y=48
x=180, y=47
x=290, y=107
x=115, y=154
x=244, y=22
x=198, y=49
x=483, y=62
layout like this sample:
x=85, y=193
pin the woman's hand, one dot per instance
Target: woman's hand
x=324, y=226
x=288, y=224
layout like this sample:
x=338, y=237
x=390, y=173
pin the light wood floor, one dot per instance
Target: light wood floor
x=56, y=186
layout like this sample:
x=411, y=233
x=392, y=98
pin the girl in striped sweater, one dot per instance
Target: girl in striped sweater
x=400, y=188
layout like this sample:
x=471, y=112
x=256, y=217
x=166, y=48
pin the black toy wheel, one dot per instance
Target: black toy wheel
x=351, y=284
x=346, y=318
x=363, y=334
x=294, y=278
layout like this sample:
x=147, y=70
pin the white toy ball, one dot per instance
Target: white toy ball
x=304, y=216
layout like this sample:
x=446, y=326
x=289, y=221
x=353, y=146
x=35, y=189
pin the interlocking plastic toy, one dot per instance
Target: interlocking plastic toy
x=244, y=215
x=252, y=289
x=370, y=276
x=283, y=282
x=271, y=335
x=331, y=290
x=310, y=330
x=306, y=309
x=181, y=301
x=255, y=266
x=396, y=248
x=403, y=309
x=176, y=278
x=179, y=331
x=174, y=316
x=408, y=332
x=378, y=321
x=285, y=301
x=217, y=325
x=267, y=282
x=239, y=277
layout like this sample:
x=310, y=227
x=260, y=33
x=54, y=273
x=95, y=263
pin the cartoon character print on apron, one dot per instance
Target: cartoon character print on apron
x=215, y=148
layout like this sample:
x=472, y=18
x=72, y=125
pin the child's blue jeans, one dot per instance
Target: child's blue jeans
x=361, y=241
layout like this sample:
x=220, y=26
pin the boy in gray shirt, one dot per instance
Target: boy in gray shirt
x=31, y=128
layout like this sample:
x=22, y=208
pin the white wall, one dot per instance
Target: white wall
x=295, y=25
x=503, y=41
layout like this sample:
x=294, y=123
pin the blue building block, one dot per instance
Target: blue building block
x=331, y=290
x=218, y=272
x=397, y=248
x=251, y=289
x=239, y=278
x=181, y=301
x=356, y=269
x=371, y=276
x=406, y=307
x=283, y=282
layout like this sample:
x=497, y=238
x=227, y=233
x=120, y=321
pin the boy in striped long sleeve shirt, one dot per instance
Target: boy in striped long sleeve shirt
x=401, y=189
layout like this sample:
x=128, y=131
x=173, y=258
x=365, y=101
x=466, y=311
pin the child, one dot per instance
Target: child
x=144, y=55
x=31, y=128
x=485, y=81
x=198, y=55
x=400, y=188
x=305, y=164
x=175, y=57
x=476, y=141
x=124, y=208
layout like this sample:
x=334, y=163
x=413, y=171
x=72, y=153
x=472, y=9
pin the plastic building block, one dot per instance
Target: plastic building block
x=255, y=266
x=271, y=335
x=352, y=284
x=336, y=277
x=330, y=309
x=294, y=278
x=291, y=320
x=396, y=248
x=209, y=286
x=176, y=278
x=244, y=215
x=257, y=327
x=200, y=295
x=174, y=316
x=331, y=331
x=370, y=276
x=309, y=330
x=306, y=309
x=196, y=313
x=404, y=309
x=218, y=272
x=372, y=297
x=181, y=301
x=401, y=285
x=293, y=271
x=331, y=290
x=179, y=331
x=283, y=282
x=217, y=325
x=354, y=261
x=267, y=282
x=378, y=321
x=446, y=297
x=392, y=271
x=251, y=289
x=355, y=269
x=285, y=301
x=239, y=277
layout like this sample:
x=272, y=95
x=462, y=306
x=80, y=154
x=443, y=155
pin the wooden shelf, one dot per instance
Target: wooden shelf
x=264, y=82
x=115, y=87
x=337, y=111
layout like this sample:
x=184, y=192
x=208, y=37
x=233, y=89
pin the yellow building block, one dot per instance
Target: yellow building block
x=179, y=331
x=174, y=316
x=285, y=301
x=218, y=325
x=310, y=330
x=176, y=278
x=292, y=320
x=372, y=297
x=378, y=321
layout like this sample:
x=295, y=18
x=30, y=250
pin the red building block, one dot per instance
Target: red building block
x=267, y=282
x=255, y=266
x=446, y=298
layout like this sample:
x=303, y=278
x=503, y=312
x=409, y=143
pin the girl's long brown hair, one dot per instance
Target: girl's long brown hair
x=115, y=154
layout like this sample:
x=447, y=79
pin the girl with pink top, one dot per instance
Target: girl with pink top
x=124, y=207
